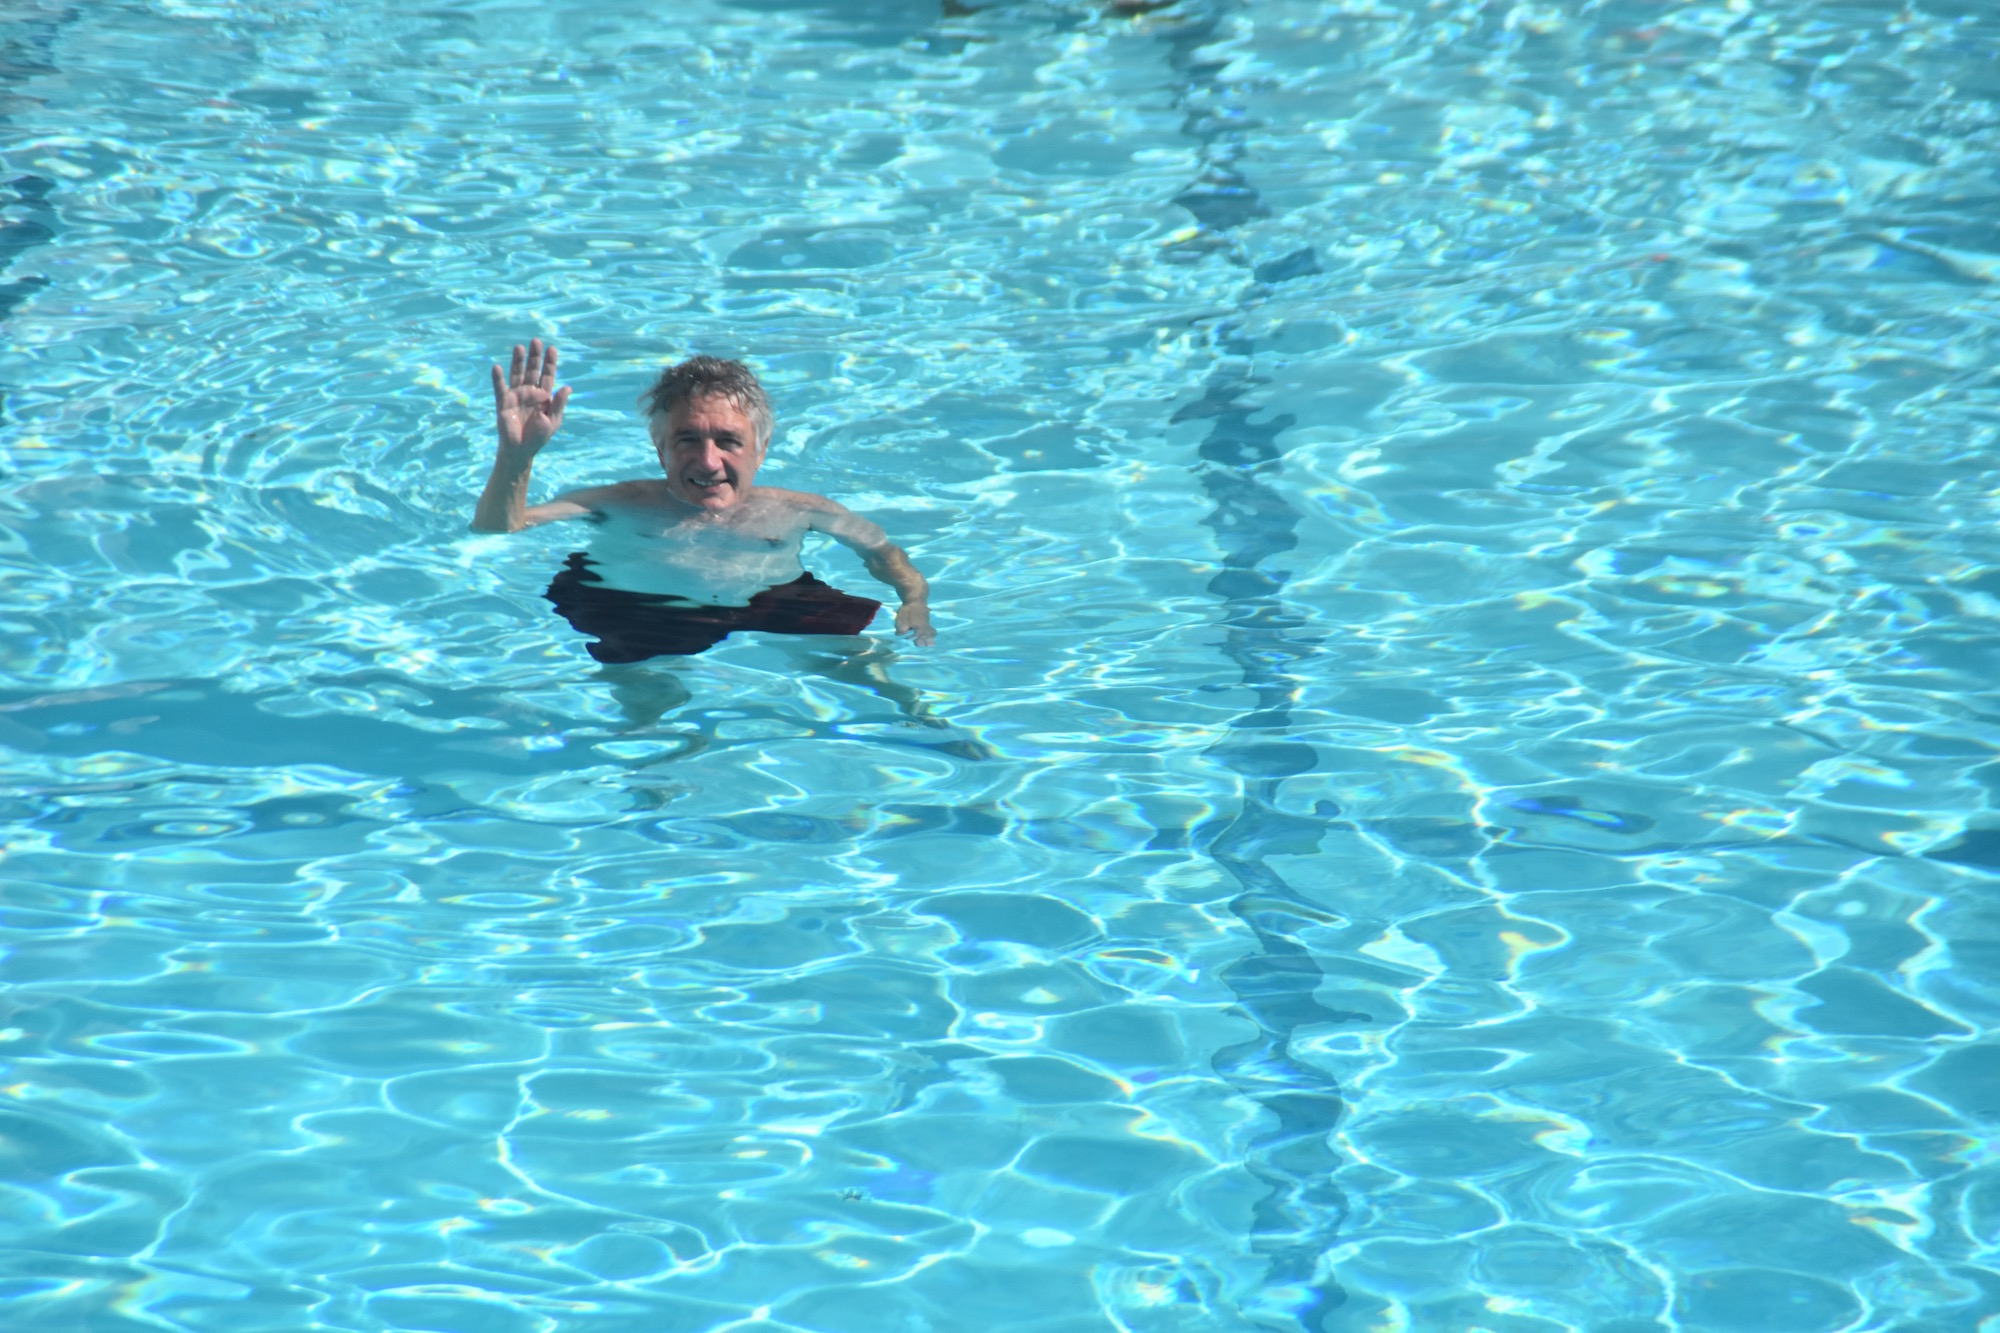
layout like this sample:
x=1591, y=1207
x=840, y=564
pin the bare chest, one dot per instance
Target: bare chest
x=750, y=530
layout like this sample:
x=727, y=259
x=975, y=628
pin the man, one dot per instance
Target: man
x=682, y=560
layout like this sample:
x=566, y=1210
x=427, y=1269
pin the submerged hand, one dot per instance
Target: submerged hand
x=914, y=618
x=527, y=406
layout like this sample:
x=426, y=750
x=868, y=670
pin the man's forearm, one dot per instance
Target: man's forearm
x=894, y=568
x=503, y=505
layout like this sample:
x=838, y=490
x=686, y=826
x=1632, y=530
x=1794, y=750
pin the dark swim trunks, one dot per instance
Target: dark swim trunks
x=633, y=626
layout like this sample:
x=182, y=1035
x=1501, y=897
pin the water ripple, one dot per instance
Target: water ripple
x=1455, y=791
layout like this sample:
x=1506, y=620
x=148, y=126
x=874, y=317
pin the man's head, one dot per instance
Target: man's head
x=711, y=422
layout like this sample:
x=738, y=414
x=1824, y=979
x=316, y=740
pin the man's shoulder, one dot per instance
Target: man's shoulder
x=816, y=512
x=779, y=496
x=635, y=491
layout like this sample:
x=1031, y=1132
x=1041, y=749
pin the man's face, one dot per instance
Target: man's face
x=709, y=451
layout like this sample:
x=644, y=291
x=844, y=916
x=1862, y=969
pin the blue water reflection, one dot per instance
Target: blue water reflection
x=1455, y=789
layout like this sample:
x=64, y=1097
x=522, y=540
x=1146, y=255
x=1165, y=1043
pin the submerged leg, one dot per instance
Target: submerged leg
x=854, y=660
x=864, y=663
x=645, y=692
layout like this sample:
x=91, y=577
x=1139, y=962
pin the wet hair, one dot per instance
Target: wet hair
x=705, y=377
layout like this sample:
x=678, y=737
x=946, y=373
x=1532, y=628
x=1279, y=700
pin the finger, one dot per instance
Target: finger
x=549, y=368
x=514, y=369
x=557, y=403
x=499, y=388
x=534, y=362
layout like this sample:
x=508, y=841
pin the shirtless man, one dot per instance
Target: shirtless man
x=682, y=560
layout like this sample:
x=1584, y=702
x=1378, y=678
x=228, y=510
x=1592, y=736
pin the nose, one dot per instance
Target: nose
x=709, y=456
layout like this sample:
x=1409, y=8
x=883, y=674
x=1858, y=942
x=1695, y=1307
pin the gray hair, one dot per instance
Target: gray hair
x=705, y=377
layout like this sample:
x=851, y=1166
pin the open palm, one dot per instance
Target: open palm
x=527, y=406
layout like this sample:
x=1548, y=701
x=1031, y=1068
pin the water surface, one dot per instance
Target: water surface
x=1454, y=790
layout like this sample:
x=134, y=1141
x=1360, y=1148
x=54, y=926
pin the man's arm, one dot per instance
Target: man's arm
x=884, y=559
x=527, y=411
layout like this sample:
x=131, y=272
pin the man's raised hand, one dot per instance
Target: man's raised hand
x=527, y=406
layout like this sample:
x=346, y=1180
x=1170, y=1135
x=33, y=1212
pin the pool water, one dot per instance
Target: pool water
x=1456, y=785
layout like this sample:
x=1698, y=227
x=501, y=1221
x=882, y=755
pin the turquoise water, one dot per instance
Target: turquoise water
x=1455, y=786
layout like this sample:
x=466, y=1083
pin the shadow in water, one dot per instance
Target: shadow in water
x=27, y=219
x=1294, y=1225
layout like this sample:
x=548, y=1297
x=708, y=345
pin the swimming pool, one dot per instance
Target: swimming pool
x=1454, y=790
